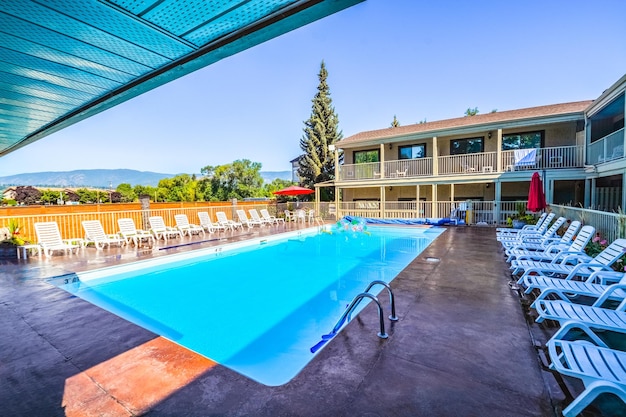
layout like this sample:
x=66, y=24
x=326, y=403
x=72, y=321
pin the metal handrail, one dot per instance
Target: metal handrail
x=353, y=304
x=392, y=300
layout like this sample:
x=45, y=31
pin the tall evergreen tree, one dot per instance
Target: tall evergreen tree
x=317, y=164
x=395, y=122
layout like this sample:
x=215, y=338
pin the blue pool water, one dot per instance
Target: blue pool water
x=258, y=307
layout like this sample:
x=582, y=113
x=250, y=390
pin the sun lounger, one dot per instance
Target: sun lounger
x=527, y=227
x=601, y=369
x=543, y=222
x=594, y=316
x=257, y=218
x=49, y=238
x=226, y=222
x=571, y=290
x=129, y=232
x=207, y=224
x=186, y=228
x=271, y=219
x=94, y=233
x=529, y=248
x=160, y=230
x=526, y=238
x=243, y=218
x=555, y=251
x=577, y=266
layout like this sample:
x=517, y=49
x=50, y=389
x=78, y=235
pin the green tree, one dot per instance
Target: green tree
x=277, y=184
x=127, y=194
x=395, y=122
x=148, y=190
x=179, y=188
x=239, y=180
x=50, y=197
x=472, y=112
x=320, y=130
x=86, y=196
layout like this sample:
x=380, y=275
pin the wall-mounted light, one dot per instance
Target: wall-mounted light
x=489, y=135
x=390, y=188
x=390, y=146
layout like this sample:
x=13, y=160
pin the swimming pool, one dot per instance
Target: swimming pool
x=255, y=307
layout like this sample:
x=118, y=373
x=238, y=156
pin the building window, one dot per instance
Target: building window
x=464, y=146
x=412, y=151
x=527, y=140
x=363, y=157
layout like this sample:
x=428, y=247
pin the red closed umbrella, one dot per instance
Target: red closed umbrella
x=294, y=190
x=536, y=197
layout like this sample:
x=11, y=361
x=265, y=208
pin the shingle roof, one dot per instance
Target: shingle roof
x=477, y=120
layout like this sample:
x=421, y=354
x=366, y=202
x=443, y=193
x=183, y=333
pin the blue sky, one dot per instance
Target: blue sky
x=413, y=59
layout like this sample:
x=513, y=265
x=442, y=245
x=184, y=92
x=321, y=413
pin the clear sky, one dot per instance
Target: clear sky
x=410, y=58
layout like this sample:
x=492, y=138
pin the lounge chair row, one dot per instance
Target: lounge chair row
x=565, y=280
x=49, y=237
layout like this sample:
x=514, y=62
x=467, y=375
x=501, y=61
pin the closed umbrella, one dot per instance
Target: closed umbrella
x=536, y=197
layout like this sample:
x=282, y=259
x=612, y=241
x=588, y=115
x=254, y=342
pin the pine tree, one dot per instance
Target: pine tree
x=395, y=122
x=317, y=164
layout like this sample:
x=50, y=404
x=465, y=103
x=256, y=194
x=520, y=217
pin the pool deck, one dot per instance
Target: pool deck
x=462, y=347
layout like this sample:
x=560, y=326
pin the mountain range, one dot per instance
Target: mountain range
x=104, y=178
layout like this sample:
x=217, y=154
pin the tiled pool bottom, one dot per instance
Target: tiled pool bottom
x=258, y=308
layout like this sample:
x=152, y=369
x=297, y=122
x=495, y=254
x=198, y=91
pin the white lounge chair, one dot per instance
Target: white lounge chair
x=575, y=265
x=271, y=219
x=186, y=228
x=532, y=236
x=598, y=283
x=129, y=232
x=539, y=230
x=257, y=218
x=160, y=230
x=553, y=251
x=243, y=218
x=594, y=315
x=527, y=227
x=94, y=233
x=207, y=224
x=600, y=368
x=50, y=240
x=226, y=222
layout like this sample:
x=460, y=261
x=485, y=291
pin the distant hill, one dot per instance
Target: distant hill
x=104, y=178
x=269, y=176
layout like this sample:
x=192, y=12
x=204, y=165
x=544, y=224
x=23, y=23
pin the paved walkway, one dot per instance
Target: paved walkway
x=461, y=348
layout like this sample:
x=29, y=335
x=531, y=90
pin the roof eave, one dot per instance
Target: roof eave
x=458, y=130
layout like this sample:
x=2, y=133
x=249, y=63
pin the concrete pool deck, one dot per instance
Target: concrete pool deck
x=462, y=347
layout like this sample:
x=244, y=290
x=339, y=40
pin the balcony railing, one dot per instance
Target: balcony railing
x=365, y=171
x=469, y=164
x=543, y=158
x=607, y=149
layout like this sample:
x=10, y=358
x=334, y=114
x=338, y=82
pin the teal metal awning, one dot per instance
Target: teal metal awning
x=62, y=61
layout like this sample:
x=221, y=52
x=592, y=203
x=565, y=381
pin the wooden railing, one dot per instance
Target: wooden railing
x=69, y=217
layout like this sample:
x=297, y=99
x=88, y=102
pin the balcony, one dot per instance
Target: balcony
x=609, y=148
x=467, y=164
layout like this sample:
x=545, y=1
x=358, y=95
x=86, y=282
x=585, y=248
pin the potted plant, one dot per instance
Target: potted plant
x=521, y=218
x=10, y=239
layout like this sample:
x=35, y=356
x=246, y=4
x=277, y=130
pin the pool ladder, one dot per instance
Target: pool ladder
x=353, y=304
